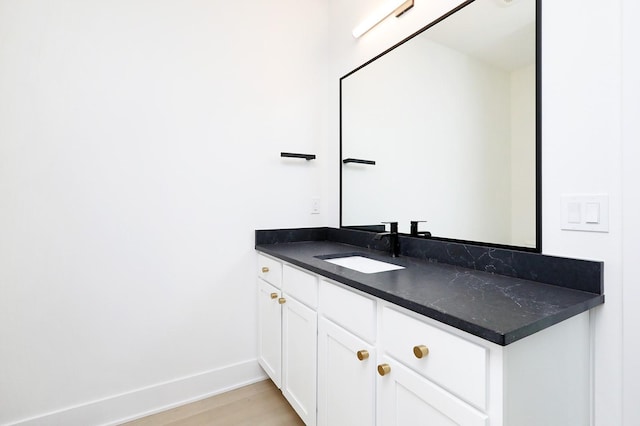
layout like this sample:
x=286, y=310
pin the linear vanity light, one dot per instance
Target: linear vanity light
x=397, y=7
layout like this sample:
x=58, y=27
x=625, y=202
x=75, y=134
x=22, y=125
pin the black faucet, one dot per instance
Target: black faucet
x=394, y=242
x=414, y=229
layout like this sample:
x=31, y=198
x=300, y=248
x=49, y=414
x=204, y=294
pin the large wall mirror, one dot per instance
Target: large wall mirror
x=445, y=127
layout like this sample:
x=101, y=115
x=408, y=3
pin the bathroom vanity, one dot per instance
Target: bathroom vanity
x=470, y=324
x=433, y=342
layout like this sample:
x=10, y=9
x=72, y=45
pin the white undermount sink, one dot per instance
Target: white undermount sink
x=363, y=264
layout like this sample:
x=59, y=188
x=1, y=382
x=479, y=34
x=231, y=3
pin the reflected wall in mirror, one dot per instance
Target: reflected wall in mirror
x=451, y=119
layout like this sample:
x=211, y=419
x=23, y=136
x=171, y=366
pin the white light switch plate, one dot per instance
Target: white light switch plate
x=585, y=212
x=315, y=205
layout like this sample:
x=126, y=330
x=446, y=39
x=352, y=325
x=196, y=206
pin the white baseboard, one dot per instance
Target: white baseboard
x=142, y=402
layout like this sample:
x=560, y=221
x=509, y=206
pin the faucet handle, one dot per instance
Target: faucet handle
x=393, y=226
x=414, y=226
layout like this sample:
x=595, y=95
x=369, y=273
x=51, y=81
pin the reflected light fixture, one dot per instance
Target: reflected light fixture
x=396, y=7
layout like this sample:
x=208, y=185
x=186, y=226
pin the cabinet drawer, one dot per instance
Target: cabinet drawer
x=350, y=310
x=301, y=285
x=270, y=270
x=452, y=362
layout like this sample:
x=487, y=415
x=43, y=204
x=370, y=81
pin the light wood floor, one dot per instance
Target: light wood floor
x=258, y=404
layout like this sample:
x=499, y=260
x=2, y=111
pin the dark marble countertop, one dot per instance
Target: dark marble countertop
x=499, y=308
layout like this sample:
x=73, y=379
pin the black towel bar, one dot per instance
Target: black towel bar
x=294, y=155
x=359, y=161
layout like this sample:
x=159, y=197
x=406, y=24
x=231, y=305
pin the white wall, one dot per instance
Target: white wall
x=581, y=113
x=581, y=143
x=139, y=150
x=127, y=213
x=630, y=208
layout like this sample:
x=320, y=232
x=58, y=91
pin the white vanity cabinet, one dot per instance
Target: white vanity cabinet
x=270, y=331
x=428, y=375
x=406, y=398
x=346, y=357
x=270, y=318
x=287, y=348
x=299, y=341
x=379, y=364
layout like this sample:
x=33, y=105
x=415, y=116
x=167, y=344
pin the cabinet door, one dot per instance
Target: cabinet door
x=405, y=398
x=299, y=357
x=269, y=331
x=346, y=384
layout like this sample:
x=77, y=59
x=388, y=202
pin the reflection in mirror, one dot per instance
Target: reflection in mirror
x=450, y=119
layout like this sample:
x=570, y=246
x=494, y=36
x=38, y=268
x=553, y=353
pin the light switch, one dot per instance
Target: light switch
x=592, y=214
x=585, y=213
x=574, y=215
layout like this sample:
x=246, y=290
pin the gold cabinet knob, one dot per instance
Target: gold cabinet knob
x=420, y=351
x=363, y=354
x=282, y=301
x=274, y=295
x=384, y=369
x=265, y=269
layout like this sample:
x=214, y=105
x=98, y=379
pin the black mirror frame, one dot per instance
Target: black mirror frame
x=538, y=148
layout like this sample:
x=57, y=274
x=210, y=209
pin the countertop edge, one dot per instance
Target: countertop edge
x=502, y=339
